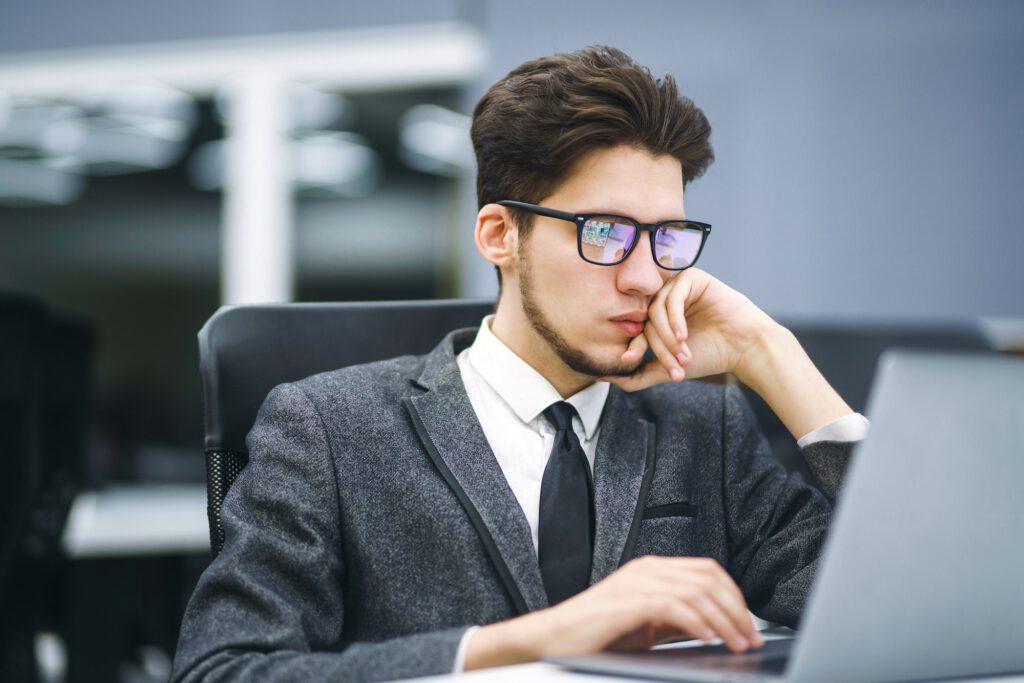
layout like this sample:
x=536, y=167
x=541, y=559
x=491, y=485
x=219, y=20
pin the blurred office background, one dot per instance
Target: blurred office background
x=159, y=160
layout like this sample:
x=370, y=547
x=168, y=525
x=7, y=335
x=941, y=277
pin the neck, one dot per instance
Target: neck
x=513, y=328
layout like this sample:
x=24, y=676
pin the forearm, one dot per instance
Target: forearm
x=779, y=370
x=422, y=654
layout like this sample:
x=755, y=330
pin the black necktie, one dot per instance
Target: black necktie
x=565, y=531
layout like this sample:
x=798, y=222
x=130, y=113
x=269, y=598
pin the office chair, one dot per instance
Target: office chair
x=245, y=351
x=846, y=353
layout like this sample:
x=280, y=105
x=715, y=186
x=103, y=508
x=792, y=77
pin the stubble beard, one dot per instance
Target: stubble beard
x=573, y=357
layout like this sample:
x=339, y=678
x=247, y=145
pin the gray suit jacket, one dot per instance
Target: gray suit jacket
x=373, y=524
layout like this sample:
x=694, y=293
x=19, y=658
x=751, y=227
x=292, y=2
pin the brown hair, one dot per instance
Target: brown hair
x=533, y=125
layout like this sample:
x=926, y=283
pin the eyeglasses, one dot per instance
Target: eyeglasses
x=606, y=239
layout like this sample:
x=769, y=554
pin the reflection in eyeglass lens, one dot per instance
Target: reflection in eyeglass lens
x=677, y=246
x=596, y=232
x=606, y=241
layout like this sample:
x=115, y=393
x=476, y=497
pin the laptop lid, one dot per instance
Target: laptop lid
x=922, y=571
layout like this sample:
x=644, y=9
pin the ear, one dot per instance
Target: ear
x=497, y=238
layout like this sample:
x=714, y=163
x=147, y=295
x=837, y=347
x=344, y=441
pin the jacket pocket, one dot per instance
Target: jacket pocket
x=681, y=509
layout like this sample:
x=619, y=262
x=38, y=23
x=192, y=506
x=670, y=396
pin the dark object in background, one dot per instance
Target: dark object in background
x=846, y=353
x=45, y=398
x=23, y=324
x=245, y=351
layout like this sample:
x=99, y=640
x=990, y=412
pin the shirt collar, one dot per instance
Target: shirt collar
x=525, y=390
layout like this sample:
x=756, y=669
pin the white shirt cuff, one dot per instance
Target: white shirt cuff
x=460, y=654
x=852, y=427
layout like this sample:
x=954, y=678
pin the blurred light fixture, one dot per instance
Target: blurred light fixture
x=108, y=145
x=323, y=163
x=435, y=140
x=5, y=108
x=33, y=182
x=125, y=128
x=143, y=101
x=311, y=106
x=46, y=144
x=27, y=119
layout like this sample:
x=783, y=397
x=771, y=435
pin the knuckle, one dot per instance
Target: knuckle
x=709, y=563
x=690, y=593
x=641, y=562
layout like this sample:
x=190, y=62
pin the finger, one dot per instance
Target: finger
x=657, y=315
x=717, y=593
x=647, y=376
x=675, y=305
x=723, y=589
x=698, y=599
x=724, y=581
x=685, y=620
x=666, y=357
x=638, y=346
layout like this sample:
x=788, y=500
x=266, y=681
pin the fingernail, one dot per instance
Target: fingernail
x=708, y=636
x=679, y=335
x=686, y=349
x=682, y=358
x=740, y=643
x=676, y=374
x=758, y=639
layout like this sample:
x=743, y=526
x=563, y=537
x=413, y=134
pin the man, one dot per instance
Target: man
x=536, y=487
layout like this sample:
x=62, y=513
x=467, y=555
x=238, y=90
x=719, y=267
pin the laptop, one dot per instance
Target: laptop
x=922, y=575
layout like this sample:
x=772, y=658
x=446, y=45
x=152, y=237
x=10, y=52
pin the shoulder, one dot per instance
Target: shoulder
x=380, y=380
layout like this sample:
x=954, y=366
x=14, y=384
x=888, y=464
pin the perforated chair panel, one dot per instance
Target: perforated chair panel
x=222, y=468
x=245, y=351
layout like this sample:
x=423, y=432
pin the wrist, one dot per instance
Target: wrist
x=763, y=360
x=515, y=641
x=780, y=371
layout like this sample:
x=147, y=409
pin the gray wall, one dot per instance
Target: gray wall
x=870, y=158
x=869, y=154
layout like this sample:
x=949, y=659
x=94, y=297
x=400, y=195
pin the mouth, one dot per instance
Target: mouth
x=631, y=323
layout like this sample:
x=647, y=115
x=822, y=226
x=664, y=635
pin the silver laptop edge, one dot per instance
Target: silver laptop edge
x=921, y=576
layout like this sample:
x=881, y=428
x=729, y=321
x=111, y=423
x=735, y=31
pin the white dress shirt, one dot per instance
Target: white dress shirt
x=509, y=398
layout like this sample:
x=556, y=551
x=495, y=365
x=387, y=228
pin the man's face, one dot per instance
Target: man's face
x=587, y=314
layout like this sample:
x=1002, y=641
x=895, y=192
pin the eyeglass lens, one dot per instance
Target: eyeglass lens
x=606, y=240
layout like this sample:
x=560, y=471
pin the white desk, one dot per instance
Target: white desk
x=138, y=519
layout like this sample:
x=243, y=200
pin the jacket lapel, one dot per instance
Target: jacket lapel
x=450, y=431
x=623, y=468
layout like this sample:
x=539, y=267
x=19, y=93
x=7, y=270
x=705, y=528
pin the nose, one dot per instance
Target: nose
x=639, y=274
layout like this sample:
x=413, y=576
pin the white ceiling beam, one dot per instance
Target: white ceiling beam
x=355, y=59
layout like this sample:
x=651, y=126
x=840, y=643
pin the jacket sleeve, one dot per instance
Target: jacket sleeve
x=271, y=605
x=776, y=522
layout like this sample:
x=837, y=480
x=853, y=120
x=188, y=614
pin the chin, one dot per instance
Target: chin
x=598, y=364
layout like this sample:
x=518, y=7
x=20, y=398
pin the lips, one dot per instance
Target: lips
x=631, y=323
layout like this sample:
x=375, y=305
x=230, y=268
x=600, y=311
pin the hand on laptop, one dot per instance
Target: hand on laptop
x=647, y=601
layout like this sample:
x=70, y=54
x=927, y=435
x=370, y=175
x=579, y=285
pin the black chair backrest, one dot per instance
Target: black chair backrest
x=846, y=353
x=245, y=351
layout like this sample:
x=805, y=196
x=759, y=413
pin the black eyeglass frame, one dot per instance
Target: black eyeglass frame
x=580, y=219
